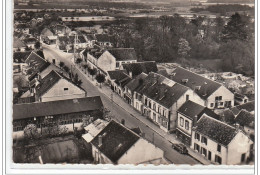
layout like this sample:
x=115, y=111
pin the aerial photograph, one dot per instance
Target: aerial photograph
x=140, y=82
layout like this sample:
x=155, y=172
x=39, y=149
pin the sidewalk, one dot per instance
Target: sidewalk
x=122, y=103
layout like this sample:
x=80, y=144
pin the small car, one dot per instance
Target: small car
x=180, y=148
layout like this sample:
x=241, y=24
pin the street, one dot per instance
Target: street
x=117, y=111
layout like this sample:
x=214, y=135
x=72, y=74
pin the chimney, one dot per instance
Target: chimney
x=99, y=140
x=195, y=120
x=123, y=121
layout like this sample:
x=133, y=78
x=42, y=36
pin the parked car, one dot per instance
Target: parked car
x=180, y=148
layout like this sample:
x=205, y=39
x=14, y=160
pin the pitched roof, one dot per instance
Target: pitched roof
x=46, y=32
x=249, y=106
x=244, y=118
x=18, y=43
x=216, y=130
x=116, y=140
x=139, y=67
x=104, y=38
x=91, y=37
x=227, y=116
x=161, y=89
x=30, y=40
x=117, y=75
x=136, y=82
x=191, y=109
x=192, y=80
x=20, y=57
x=28, y=110
x=122, y=54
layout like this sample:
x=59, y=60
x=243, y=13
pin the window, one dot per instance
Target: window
x=154, y=116
x=218, y=159
x=159, y=109
x=187, y=125
x=117, y=64
x=154, y=106
x=197, y=136
x=218, y=98
x=209, y=156
x=164, y=123
x=137, y=106
x=187, y=97
x=66, y=89
x=159, y=119
x=181, y=121
x=211, y=105
x=203, y=151
x=196, y=147
x=221, y=103
x=204, y=140
x=150, y=104
x=245, y=101
x=219, y=148
x=163, y=111
x=145, y=102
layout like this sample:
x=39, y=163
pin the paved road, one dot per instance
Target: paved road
x=119, y=113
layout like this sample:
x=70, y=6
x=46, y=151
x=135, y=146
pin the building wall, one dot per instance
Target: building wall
x=183, y=127
x=226, y=96
x=238, y=146
x=141, y=151
x=249, y=130
x=211, y=146
x=57, y=92
x=119, y=63
x=106, y=62
x=100, y=157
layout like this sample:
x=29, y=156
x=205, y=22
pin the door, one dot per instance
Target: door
x=53, y=61
x=209, y=155
x=243, y=157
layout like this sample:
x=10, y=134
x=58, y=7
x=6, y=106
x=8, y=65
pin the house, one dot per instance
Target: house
x=51, y=40
x=91, y=40
x=56, y=86
x=159, y=98
x=188, y=114
x=134, y=69
x=249, y=106
x=247, y=121
x=18, y=45
x=19, y=60
x=118, y=79
x=45, y=33
x=105, y=40
x=61, y=29
x=22, y=27
x=227, y=116
x=116, y=144
x=78, y=41
x=131, y=86
x=67, y=113
x=30, y=42
x=214, y=94
x=219, y=142
x=93, y=129
x=240, y=99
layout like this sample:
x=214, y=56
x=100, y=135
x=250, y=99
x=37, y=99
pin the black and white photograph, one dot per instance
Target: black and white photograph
x=138, y=82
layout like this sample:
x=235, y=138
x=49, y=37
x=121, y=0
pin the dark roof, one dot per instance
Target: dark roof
x=30, y=40
x=96, y=53
x=191, y=109
x=117, y=75
x=116, y=140
x=249, y=106
x=216, y=130
x=207, y=86
x=20, y=57
x=22, y=26
x=123, y=81
x=139, y=67
x=137, y=130
x=136, y=82
x=122, y=54
x=46, y=32
x=104, y=38
x=155, y=87
x=18, y=43
x=244, y=118
x=36, y=62
x=38, y=109
x=227, y=116
x=91, y=37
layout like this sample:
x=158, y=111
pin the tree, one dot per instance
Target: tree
x=52, y=128
x=235, y=29
x=37, y=45
x=76, y=80
x=85, y=66
x=31, y=132
x=183, y=48
x=93, y=72
x=66, y=69
x=61, y=64
x=100, y=79
x=78, y=60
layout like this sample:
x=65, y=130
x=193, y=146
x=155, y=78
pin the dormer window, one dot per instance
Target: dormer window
x=66, y=89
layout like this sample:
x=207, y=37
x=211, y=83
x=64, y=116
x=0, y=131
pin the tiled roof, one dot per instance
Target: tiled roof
x=139, y=67
x=36, y=62
x=28, y=110
x=91, y=37
x=216, y=130
x=20, y=57
x=191, y=109
x=30, y=40
x=18, y=43
x=122, y=54
x=192, y=80
x=227, y=116
x=136, y=82
x=249, y=106
x=161, y=89
x=116, y=140
x=117, y=75
x=244, y=118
